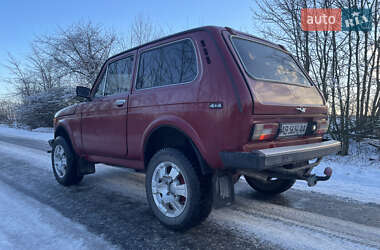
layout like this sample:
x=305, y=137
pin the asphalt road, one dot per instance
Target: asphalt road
x=111, y=204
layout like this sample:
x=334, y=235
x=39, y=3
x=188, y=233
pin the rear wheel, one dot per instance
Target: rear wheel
x=64, y=163
x=271, y=187
x=179, y=196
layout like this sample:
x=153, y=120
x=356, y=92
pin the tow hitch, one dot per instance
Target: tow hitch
x=313, y=179
x=297, y=172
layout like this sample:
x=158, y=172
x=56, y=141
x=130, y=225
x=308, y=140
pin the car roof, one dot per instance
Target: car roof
x=209, y=28
x=202, y=28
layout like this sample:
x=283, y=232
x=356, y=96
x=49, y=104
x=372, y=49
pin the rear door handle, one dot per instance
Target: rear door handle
x=120, y=102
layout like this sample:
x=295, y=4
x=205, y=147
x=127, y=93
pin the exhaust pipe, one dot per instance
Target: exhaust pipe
x=256, y=175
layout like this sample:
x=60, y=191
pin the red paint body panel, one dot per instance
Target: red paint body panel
x=113, y=135
x=72, y=125
x=70, y=110
x=104, y=127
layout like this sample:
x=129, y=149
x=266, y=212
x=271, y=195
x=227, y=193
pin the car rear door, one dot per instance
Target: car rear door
x=104, y=119
x=278, y=84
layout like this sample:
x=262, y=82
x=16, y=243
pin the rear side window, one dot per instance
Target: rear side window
x=119, y=76
x=267, y=63
x=169, y=64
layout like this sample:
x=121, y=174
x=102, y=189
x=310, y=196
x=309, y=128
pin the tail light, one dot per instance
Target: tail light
x=264, y=131
x=322, y=126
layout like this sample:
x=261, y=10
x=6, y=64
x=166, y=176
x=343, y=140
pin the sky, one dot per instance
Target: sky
x=22, y=20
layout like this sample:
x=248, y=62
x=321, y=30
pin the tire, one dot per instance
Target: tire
x=271, y=187
x=183, y=201
x=64, y=163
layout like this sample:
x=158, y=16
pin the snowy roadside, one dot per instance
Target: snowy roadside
x=26, y=222
x=355, y=176
x=22, y=215
x=42, y=134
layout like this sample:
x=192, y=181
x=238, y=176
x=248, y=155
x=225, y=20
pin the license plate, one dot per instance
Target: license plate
x=292, y=129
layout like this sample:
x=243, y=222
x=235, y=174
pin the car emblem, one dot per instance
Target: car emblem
x=301, y=109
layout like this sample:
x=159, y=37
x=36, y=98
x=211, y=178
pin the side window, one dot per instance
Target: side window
x=100, y=89
x=119, y=76
x=169, y=64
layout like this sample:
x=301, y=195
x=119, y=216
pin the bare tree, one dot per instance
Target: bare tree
x=68, y=57
x=21, y=78
x=7, y=111
x=344, y=65
x=78, y=52
x=43, y=69
x=141, y=30
x=37, y=74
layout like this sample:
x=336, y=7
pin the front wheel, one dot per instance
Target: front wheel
x=271, y=186
x=64, y=163
x=179, y=196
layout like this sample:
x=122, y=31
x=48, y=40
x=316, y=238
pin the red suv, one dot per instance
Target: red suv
x=195, y=111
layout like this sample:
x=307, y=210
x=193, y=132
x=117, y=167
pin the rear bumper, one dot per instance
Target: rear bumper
x=274, y=157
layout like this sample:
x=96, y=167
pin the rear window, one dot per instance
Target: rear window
x=266, y=63
x=169, y=64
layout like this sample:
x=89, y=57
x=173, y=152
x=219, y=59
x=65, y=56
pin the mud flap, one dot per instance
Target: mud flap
x=51, y=142
x=223, y=189
x=85, y=167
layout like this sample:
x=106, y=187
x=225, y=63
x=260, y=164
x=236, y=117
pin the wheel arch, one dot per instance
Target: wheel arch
x=61, y=130
x=166, y=134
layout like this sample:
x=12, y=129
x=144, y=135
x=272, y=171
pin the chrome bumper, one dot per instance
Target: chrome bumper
x=274, y=157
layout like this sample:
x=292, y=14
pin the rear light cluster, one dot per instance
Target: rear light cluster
x=268, y=131
x=322, y=126
x=265, y=131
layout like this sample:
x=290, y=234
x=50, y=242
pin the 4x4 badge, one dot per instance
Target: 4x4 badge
x=216, y=105
x=301, y=109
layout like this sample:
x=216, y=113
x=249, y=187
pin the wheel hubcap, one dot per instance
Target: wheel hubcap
x=169, y=189
x=60, y=161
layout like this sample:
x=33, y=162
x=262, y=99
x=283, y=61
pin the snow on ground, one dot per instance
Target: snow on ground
x=299, y=231
x=26, y=222
x=43, y=134
x=43, y=130
x=21, y=215
x=355, y=176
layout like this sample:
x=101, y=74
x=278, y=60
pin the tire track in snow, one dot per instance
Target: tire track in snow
x=26, y=223
x=291, y=228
